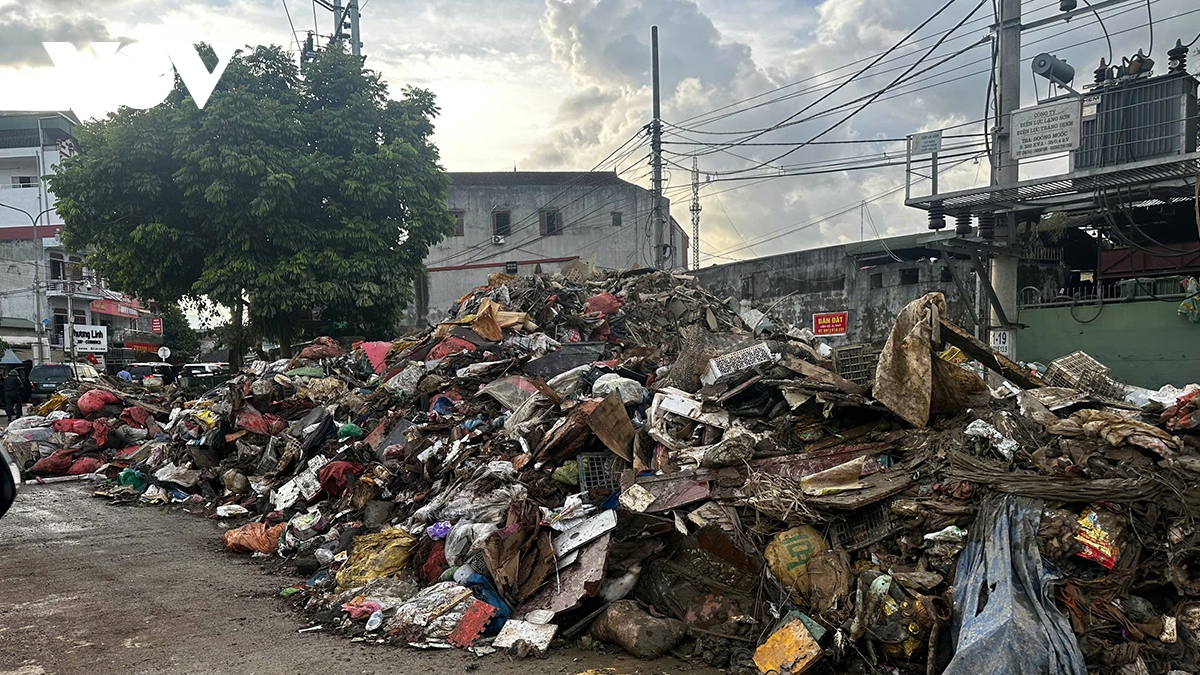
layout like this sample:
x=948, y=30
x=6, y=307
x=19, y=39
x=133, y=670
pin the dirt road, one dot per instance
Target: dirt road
x=90, y=588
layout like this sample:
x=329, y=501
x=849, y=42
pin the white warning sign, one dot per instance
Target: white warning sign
x=1046, y=129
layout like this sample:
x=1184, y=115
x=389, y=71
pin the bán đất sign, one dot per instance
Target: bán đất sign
x=830, y=323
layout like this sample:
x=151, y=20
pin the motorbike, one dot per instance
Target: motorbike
x=10, y=480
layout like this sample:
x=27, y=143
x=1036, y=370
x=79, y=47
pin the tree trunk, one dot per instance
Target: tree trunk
x=235, y=358
x=285, y=339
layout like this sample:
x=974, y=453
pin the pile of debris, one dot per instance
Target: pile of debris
x=627, y=460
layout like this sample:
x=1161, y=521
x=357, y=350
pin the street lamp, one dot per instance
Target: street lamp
x=37, y=271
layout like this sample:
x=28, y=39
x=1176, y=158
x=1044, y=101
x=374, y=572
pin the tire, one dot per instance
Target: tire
x=8, y=489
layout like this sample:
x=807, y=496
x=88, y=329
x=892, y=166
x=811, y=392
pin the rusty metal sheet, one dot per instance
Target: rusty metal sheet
x=589, y=530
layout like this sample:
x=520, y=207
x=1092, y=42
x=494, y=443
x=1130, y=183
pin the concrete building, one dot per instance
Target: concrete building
x=522, y=222
x=870, y=281
x=43, y=286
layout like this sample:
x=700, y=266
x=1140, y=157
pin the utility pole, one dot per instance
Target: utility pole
x=355, y=45
x=656, y=156
x=1005, y=169
x=695, y=213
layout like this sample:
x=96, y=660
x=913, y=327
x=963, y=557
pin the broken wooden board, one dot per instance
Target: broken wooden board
x=819, y=374
x=609, y=421
x=991, y=359
x=574, y=582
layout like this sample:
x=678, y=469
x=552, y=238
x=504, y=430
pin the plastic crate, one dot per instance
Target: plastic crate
x=1068, y=371
x=857, y=363
x=600, y=470
x=864, y=527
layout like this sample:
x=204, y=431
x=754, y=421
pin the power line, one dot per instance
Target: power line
x=872, y=98
x=1056, y=35
x=823, y=74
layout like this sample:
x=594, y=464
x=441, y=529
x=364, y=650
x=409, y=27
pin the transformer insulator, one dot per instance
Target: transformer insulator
x=937, y=216
x=1177, y=58
x=987, y=226
x=962, y=224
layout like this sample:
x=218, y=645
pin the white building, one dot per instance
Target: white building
x=41, y=283
x=522, y=222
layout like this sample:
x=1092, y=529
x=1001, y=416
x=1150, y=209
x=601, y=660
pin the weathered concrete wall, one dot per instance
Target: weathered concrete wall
x=458, y=264
x=794, y=286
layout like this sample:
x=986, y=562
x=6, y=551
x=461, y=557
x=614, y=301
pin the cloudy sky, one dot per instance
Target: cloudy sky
x=561, y=84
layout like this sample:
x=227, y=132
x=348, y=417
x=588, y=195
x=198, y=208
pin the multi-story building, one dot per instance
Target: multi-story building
x=522, y=222
x=44, y=287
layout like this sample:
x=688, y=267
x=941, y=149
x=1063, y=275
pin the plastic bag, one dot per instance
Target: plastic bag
x=375, y=555
x=462, y=538
x=57, y=464
x=94, y=401
x=630, y=391
x=254, y=538
x=1003, y=557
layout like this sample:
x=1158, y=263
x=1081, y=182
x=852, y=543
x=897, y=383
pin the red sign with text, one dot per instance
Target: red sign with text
x=830, y=323
x=156, y=326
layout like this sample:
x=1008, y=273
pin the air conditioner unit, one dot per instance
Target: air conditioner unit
x=498, y=240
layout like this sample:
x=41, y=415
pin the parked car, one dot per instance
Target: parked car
x=10, y=480
x=204, y=374
x=45, y=379
x=154, y=374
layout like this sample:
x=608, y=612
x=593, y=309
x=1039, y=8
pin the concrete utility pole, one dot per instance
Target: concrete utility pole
x=695, y=213
x=1005, y=169
x=656, y=157
x=355, y=45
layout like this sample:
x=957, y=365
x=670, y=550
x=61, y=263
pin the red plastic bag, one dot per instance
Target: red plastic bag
x=604, y=304
x=451, y=345
x=436, y=564
x=93, y=401
x=265, y=424
x=254, y=538
x=57, y=464
x=322, y=348
x=135, y=417
x=335, y=476
x=100, y=429
x=72, y=426
x=84, y=465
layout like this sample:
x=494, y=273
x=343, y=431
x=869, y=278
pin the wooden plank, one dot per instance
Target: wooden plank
x=611, y=424
x=994, y=361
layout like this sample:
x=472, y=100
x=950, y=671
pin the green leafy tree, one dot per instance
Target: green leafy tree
x=291, y=191
x=178, y=334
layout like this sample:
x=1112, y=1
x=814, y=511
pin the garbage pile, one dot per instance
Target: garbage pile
x=627, y=462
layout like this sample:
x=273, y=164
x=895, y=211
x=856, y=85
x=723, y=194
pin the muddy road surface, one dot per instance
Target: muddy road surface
x=91, y=588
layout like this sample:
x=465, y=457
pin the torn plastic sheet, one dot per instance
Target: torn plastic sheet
x=1019, y=629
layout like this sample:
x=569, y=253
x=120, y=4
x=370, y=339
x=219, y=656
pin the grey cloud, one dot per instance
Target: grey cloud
x=22, y=35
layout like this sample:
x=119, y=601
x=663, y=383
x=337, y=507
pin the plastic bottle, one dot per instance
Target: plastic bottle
x=375, y=621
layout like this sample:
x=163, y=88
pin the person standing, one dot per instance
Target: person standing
x=12, y=395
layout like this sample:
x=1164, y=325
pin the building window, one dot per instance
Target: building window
x=877, y=281
x=458, y=217
x=24, y=181
x=550, y=223
x=910, y=277
x=74, y=268
x=57, y=266
x=501, y=223
x=616, y=216
x=748, y=288
x=947, y=275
